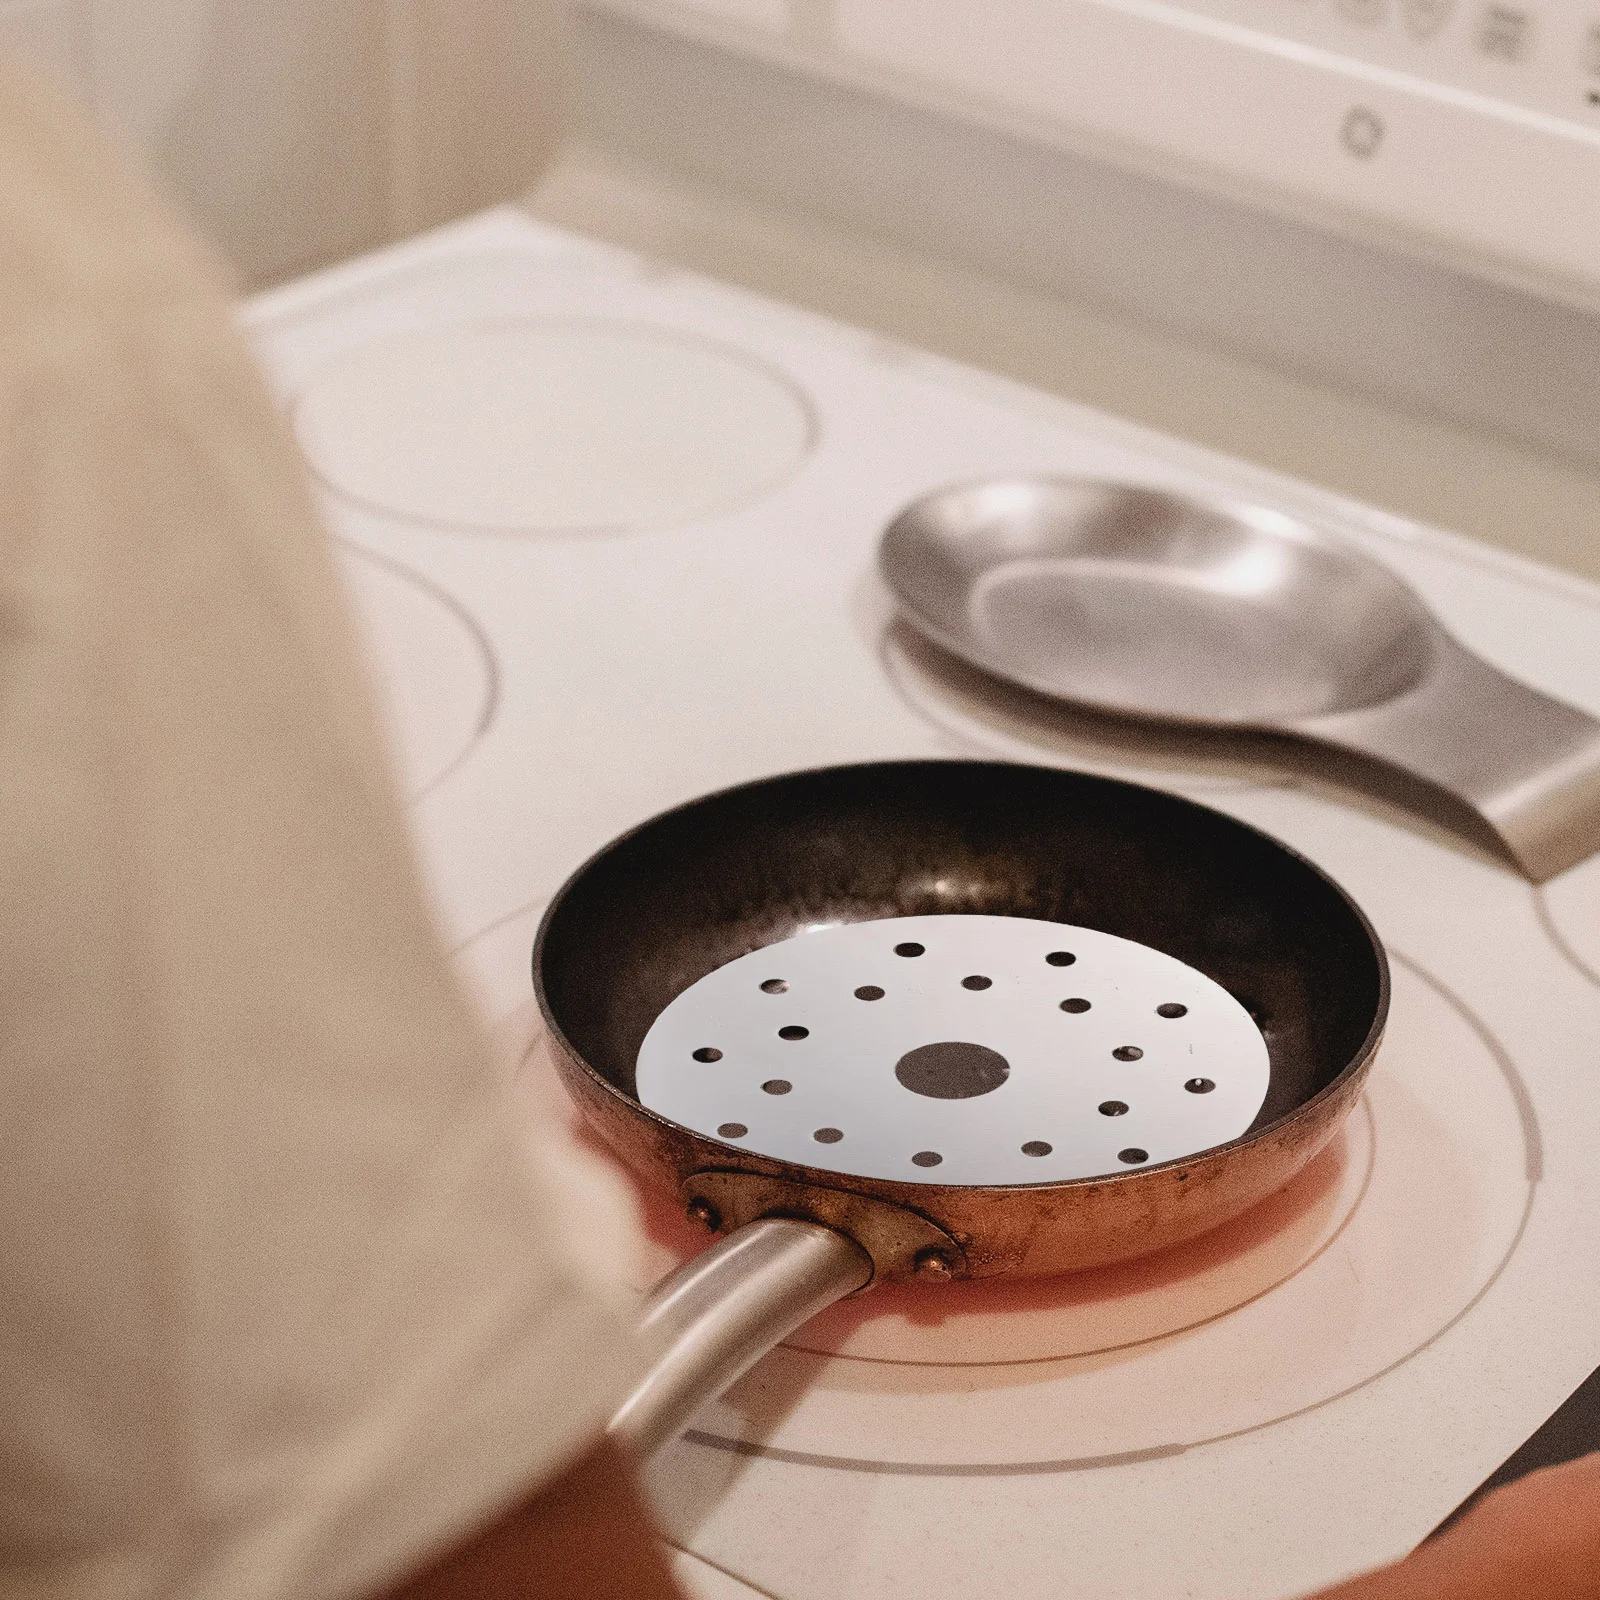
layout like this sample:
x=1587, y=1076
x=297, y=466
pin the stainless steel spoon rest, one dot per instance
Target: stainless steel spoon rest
x=1147, y=604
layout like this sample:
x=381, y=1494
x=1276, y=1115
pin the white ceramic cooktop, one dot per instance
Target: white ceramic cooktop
x=611, y=529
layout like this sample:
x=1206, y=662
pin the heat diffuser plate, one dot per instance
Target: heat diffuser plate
x=958, y=1049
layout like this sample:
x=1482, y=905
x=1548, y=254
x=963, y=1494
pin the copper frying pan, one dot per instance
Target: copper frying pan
x=696, y=887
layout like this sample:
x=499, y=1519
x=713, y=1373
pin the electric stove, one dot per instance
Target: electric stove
x=610, y=530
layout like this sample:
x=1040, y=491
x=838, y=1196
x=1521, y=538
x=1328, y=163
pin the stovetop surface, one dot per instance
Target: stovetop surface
x=610, y=529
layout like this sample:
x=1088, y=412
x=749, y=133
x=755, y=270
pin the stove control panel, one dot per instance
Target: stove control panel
x=1469, y=127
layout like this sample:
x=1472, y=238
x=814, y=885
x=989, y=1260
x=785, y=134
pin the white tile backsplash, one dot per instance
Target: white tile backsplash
x=296, y=132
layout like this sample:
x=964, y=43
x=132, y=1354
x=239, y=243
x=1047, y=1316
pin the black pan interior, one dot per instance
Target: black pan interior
x=696, y=887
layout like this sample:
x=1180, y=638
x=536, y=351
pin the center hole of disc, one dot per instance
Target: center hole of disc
x=952, y=1070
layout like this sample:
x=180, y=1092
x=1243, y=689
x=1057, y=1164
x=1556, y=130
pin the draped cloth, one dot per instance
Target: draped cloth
x=294, y=1289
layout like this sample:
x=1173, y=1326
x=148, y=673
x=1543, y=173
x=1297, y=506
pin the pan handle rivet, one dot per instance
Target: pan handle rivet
x=706, y=1214
x=933, y=1264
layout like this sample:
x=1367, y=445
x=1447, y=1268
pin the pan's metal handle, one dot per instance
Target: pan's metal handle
x=716, y=1316
x=1528, y=765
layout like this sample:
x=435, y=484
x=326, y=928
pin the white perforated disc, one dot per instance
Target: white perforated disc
x=957, y=1049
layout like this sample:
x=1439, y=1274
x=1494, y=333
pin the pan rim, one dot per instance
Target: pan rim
x=826, y=1178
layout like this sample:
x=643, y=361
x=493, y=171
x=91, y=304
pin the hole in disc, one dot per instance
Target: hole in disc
x=706, y=1053
x=1036, y=1147
x=926, y=1158
x=1172, y=1009
x=776, y=1086
x=1075, y=1005
x=952, y=1070
x=977, y=981
x=1199, y=1086
x=774, y=986
x=1061, y=958
x=794, y=1031
x=828, y=1135
x=910, y=948
x=1128, y=1052
x=732, y=1130
x=1133, y=1155
x=869, y=991
x=1113, y=1108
